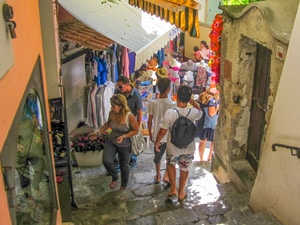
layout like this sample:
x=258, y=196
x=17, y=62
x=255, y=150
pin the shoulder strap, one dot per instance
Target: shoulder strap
x=179, y=114
x=188, y=113
x=127, y=122
x=176, y=111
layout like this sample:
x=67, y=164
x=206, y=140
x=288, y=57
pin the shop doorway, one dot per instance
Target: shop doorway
x=261, y=92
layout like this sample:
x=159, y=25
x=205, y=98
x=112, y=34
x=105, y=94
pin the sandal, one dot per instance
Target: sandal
x=156, y=181
x=171, y=195
x=185, y=196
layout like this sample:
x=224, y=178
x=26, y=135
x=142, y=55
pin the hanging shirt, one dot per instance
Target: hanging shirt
x=125, y=62
x=131, y=56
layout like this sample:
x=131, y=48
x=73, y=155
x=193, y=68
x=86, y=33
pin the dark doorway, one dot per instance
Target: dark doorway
x=261, y=91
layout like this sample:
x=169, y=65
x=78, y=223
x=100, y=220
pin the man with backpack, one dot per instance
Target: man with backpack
x=180, y=121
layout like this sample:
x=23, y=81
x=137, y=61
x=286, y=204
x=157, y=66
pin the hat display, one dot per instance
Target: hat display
x=214, y=90
x=175, y=63
x=162, y=72
x=189, y=65
x=152, y=63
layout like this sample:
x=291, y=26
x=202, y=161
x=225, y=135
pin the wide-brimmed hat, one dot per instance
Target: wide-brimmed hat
x=189, y=65
x=152, y=63
x=214, y=90
x=162, y=72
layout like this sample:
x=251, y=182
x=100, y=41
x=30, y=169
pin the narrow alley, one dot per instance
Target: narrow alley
x=144, y=202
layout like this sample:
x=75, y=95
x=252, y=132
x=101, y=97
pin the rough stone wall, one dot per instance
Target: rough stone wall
x=238, y=55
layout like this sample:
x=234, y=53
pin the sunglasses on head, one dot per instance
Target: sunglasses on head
x=117, y=100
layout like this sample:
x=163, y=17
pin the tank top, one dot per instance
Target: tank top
x=117, y=131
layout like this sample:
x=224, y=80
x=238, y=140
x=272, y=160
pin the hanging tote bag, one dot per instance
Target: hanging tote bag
x=137, y=141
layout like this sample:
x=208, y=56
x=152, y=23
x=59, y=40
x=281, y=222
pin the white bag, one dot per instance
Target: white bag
x=137, y=141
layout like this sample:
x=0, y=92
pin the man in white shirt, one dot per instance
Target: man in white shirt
x=157, y=109
x=175, y=155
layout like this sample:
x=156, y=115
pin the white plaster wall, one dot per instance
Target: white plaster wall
x=50, y=45
x=277, y=186
x=73, y=76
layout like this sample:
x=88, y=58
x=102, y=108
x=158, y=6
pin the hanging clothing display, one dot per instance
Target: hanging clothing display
x=103, y=102
x=91, y=106
x=98, y=106
x=203, y=75
x=125, y=62
x=114, y=65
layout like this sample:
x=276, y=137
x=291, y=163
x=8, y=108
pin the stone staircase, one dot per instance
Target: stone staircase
x=242, y=175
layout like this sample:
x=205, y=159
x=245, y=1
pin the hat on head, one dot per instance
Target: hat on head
x=162, y=72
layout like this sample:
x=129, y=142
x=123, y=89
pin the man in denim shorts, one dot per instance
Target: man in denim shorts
x=182, y=157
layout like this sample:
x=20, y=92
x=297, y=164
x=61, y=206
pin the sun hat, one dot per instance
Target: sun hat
x=214, y=90
x=152, y=63
x=162, y=72
x=189, y=66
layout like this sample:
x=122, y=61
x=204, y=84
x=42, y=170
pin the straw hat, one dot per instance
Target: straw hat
x=162, y=72
x=152, y=63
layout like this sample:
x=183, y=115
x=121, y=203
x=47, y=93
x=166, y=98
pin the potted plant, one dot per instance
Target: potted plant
x=88, y=149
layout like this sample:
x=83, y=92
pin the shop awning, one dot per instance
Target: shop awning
x=124, y=24
x=182, y=13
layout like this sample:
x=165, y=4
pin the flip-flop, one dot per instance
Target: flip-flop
x=185, y=196
x=166, y=181
x=171, y=195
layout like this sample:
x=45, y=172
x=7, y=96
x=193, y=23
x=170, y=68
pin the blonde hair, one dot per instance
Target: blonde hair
x=205, y=96
x=120, y=100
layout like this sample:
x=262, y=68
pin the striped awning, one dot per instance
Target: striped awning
x=182, y=13
x=97, y=24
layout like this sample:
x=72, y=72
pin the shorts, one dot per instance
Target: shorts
x=184, y=161
x=207, y=134
x=158, y=155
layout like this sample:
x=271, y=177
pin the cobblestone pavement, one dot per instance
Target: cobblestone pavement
x=145, y=203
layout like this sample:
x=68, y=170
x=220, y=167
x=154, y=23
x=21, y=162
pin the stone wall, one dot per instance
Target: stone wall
x=240, y=37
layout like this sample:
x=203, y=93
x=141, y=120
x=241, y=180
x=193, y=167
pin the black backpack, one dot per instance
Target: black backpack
x=182, y=131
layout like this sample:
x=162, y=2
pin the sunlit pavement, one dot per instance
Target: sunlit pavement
x=146, y=203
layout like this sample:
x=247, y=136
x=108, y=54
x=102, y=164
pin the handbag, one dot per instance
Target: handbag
x=137, y=141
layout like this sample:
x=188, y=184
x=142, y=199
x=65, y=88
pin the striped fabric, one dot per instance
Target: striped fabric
x=182, y=13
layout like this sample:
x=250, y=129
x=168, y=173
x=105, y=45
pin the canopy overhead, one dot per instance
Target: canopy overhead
x=121, y=23
x=182, y=13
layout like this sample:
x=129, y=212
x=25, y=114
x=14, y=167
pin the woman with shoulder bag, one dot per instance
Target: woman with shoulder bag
x=119, y=139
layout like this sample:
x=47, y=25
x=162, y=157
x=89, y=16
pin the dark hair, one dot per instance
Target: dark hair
x=196, y=48
x=204, y=43
x=123, y=79
x=163, y=84
x=184, y=94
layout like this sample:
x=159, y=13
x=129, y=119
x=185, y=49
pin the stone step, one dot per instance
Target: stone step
x=242, y=175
